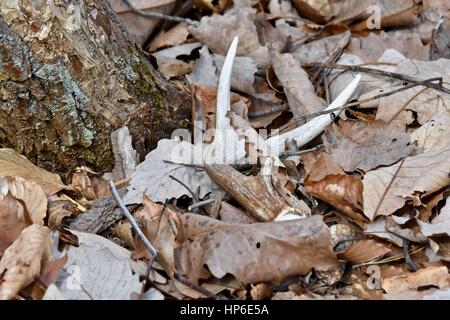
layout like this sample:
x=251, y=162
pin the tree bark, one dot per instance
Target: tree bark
x=70, y=76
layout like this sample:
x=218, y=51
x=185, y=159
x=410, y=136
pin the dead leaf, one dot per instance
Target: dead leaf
x=393, y=13
x=260, y=291
x=152, y=175
x=171, y=38
x=21, y=262
x=14, y=164
x=123, y=231
x=364, y=251
x=204, y=72
x=386, y=189
x=321, y=50
x=140, y=27
x=343, y=192
x=366, y=144
x=397, y=108
x=299, y=90
x=319, y=11
x=95, y=269
x=60, y=209
x=370, y=48
x=80, y=181
x=431, y=276
x=231, y=214
x=169, y=63
x=238, y=23
x=434, y=133
x=253, y=251
x=319, y=168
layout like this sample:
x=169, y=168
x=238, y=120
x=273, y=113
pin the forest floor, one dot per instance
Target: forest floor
x=316, y=166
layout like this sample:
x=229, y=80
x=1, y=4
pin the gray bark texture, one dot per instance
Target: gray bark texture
x=70, y=76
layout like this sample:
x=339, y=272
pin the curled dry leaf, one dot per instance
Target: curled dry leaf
x=173, y=37
x=366, y=144
x=140, y=27
x=60, y=209
x=364, y=251
x=319, y=11
x=21, y=262
x=169, y=63
x=80, y=181
x=431, y=276
x=15, y=165
x=240, y=23
x=343, y=192
x=386, y=189
x=123, y=231
x=252, y=253
x=299, y=90
x=393, y=13
x=319, y=168
x=21, y=203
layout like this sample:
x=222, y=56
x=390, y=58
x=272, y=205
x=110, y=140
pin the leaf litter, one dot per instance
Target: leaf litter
x=351, y=170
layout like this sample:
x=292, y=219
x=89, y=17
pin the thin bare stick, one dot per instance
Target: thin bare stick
x=158, y=15
x=289, y=153
x=409, y=262
x=356, y=103
x=133, y=222
x=388, y=74
x=195, y=287
x=201, y=203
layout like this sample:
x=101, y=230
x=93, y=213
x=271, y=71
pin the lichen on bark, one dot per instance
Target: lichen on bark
x=69, y=76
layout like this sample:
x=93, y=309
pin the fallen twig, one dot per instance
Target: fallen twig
x=133, y=222
x=158, y=15
x=388, y=74
x=409, y=262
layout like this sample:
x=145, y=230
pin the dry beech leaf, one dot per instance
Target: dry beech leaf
x=161, y=228
x=343, y=192
x=21, y=262
x=79, y=180
x=96, y=269
x=366, y=144
x=30, y=195
x=204, y=72
x=324, y=165
x=60, y=209
x=253, y=252
x=364, y=251
x=386, y=189
x=321, y=50
x=173, y=37
x=240, y=23
x=298, y=88
x=431, y=276
x=123, y=231
x=15, y=165
x=433, y=134
x=393, y=13
x=319, y=11
x=371, y=48
x=169, y=64
x=140, y=27
x=152, y=175
x=398, y=108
